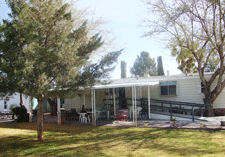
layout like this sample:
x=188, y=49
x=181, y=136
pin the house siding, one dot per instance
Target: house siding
x=76, y=101
x=15, y=101
x=220, y=101
x=188, y=90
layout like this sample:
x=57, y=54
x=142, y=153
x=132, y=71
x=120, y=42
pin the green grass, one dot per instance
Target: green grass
x=19, y=139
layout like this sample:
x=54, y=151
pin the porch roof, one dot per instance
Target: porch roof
x=131, y=82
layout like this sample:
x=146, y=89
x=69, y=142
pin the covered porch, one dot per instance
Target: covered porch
x=112, y=98
x=120, y=102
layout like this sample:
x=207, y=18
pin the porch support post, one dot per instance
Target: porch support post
x=133, y=102
x=58, y=111
x=114, y=102
x=149, y=102
x=93, y=107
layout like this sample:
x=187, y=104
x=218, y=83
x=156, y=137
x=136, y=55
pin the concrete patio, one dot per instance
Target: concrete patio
x=208, y=123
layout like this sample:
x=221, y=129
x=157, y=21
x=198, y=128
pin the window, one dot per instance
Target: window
x=5, y=105
x=202, y=88
x=168, y=88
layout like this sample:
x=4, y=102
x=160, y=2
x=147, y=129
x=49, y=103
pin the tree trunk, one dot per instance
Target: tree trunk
x=210, y=97
x=21, y=99
x=31, y=108
x=209, y=111
x=53, y=107
x=40, y=119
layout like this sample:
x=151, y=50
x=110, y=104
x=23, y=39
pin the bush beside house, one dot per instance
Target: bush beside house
x=21, y=113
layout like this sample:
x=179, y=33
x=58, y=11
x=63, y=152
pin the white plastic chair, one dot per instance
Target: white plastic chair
x=131, y=111
x=138, y=111
x=83, y=118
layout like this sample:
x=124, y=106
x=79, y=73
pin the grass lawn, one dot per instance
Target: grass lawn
x=19, y=139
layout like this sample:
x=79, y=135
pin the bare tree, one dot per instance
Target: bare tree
x=196, y=27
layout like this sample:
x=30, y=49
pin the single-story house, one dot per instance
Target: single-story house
x=181, y=88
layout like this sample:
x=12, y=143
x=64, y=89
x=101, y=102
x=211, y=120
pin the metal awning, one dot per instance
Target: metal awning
x=127, y=83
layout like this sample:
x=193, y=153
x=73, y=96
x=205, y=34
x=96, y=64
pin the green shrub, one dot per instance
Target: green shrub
x=11, y=107
x=19, y=111
x=173, y=119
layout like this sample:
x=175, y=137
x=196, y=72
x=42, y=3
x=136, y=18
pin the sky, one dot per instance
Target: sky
x=124, y=19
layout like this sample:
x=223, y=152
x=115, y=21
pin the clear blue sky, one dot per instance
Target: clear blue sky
x=124, y=18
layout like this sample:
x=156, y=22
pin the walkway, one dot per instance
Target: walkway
x=206, y=123
x=214, y=125
x=211, y=123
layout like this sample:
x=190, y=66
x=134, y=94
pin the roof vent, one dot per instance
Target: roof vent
x=137, y=76
x=146, y=75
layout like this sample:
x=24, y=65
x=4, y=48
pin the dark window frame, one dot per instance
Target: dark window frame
x=168, y=88
x=202, y=88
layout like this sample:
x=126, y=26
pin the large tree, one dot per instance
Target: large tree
x=144, y=64
x=46, y=51
x=185, y=59
x=196, y=28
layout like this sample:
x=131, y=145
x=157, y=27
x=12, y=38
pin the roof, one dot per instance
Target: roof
x=144, y=81
x=131, y=82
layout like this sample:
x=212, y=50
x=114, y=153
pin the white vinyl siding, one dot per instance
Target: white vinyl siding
x=220, y=101
x=188, y=89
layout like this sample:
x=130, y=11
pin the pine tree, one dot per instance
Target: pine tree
x=144, y=64
x=44, y=50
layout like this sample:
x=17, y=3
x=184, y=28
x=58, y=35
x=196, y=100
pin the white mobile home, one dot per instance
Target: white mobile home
x=171, y=88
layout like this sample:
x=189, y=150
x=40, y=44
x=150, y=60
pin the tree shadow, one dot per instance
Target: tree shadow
x=93, y=141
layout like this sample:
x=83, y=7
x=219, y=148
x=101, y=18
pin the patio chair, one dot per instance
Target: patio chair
x=144, y=113
x=71, y=114
x=99, y=115
x=131, y=111
x=138, y=111
x=83, y=118
x=122, y=115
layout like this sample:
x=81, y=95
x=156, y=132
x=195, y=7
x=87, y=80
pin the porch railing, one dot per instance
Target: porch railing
x=177, y=108
x=172, y=108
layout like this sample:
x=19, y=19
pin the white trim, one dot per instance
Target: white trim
x=92, y=106
x=133, y=102
x=124, y=84
x=114, y=102
x=94, y=109
x=149, y=102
